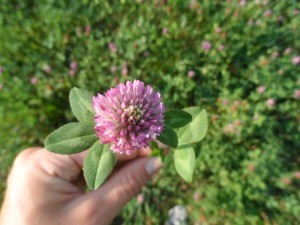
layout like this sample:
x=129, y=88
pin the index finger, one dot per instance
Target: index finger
x=121, y=158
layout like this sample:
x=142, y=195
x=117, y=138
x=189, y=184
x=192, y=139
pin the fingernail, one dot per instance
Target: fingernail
x=153, y=166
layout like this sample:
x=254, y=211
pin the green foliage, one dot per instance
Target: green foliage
x=81, y=104
x=98, y=164
x=196, y=130
x=168, y=137
x=245, y=168
x=177, y=118
x=71, y=138
x=184, y=161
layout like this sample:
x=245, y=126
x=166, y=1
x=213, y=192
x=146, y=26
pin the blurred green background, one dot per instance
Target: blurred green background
x=238, y=59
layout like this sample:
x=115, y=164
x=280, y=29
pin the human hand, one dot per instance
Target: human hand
x=46, y=188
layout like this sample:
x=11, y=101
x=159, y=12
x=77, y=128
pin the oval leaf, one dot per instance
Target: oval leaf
x=177, y=118
x=81, y=105
x=168, y=137
x=71, y=138
x=196, y=130
x=98, y=164
x=184, y=161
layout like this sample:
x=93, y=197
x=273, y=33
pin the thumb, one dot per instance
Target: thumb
x=125, y=184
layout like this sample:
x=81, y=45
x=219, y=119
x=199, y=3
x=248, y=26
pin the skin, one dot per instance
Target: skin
x=46, y=188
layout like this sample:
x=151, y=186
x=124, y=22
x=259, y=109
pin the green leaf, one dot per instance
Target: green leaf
x=184, y=161
x=98, y=164
x=196, y=130
x=168, y=137
x=156, y=151
x=71, y=138
x=177, y=118
x=81, y=105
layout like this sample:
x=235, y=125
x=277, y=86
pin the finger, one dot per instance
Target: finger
x=79, y=158
x=54, y=165
x=139, y=153
x=123, y=160
x=122, y=187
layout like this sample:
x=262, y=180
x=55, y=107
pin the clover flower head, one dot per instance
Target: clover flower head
x=270, y=102
x=128, y=116
x=296, y=60
x=261, y=89
x=206, y=45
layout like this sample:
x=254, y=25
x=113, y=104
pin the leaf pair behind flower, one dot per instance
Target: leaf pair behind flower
x=190, y=126
x=195, y=131
x=77, y=137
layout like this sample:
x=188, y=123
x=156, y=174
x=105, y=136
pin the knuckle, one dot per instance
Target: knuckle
x=131, y=184
x=24, y=158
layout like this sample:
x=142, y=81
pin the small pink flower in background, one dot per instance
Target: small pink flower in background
x=221, y=47
x=287, y=51
x=229, y=129
x=34, y=80
x=113, y=48
x=88, y=30
x=218, y=30
x=237, y=123
x=128, y=116
x=286, y=181
x=275, y=54
x=295, y=12
x=270, y=102
x=1, y=86
x=140, y=23
x=197, y=196
x=251, y=168
x=165, y=30
x=261, y=89
x=47, y=68
x=124, y=71
x=297, y=175
x=71, y=73
x=191, y=73
x=193, y=4
x=297, y=94
x=113, y=69
x=296, y=60
x=73, y=65
x=206, y=45
x=243, y=2
x=140, y=199
x=236, y=103
x=140, y=1
x=1, y=69
x=226, y=102
x=268, y=13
